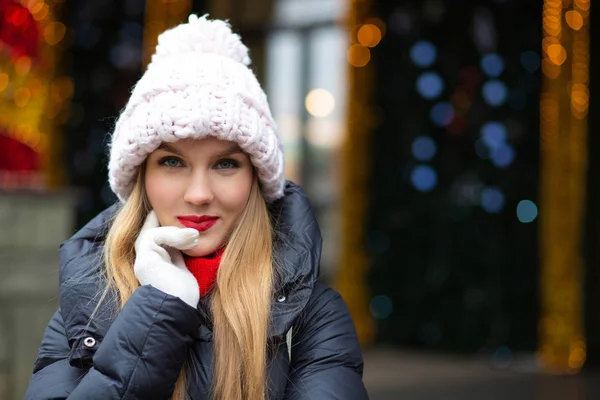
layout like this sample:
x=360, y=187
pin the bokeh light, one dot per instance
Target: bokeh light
x=574, y=19
x=527, y=211
x=22, y=96
x=550, y=69
x=556, y=53
x=40, y=11
x=54, y=33
x=580, y=97
x=442, y=114
x=320, y=102
x=369, y=35
x=423, y=148
x=577, y=355
x=23, y=65
x=492, y=65
x=430, y=85
x=424, y=178
x=583, y=5
x=503, y=156
x=16, y=16
x=495, y=93
x=358, y=55
x=381, y=307
x=492, y=200
x=493, y=134
x=423, y=53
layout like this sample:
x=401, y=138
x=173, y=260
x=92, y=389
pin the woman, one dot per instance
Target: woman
x=201, y=282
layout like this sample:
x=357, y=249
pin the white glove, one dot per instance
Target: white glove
x=164, y=268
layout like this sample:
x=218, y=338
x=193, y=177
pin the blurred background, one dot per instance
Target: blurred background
x=446, y=146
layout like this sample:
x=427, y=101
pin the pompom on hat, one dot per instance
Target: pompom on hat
x=197, y=84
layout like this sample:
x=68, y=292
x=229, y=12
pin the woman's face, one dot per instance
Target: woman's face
x=202, y=184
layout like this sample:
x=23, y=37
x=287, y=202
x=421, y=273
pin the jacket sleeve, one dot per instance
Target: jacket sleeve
x=53, y=377
x=326, y=357
x=139, y=358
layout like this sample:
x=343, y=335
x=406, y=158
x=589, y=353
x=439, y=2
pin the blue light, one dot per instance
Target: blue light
x=492, y=200
x=493, y=134
x=527, y=211
x=430, y=85
x=503, y=156
x=381, y=307
x=424, y=178
x=495, y=93
x=492, y=65
x=442, y=114
x=423, y=148
x=530, y=60
x=423, y=53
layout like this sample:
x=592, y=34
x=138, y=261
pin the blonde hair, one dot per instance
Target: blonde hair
x=240, y=300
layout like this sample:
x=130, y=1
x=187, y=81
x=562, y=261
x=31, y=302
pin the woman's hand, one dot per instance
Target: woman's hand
x=162, y=267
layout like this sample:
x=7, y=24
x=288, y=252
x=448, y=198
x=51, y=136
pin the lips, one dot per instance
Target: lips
x=200, y=223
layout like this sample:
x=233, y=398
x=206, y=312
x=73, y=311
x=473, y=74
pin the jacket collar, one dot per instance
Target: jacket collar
x=297, y=253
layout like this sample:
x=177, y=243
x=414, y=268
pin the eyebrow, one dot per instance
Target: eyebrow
x=233, y=149
x=169, y=148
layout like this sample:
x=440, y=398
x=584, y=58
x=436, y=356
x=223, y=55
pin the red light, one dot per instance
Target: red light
x=19, y=32
x=16, y=15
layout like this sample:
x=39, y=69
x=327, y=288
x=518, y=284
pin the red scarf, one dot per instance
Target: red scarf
x=204, y=270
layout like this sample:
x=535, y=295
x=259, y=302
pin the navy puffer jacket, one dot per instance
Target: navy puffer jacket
x=138, y=352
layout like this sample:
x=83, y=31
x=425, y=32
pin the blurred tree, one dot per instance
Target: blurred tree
x=451, y=229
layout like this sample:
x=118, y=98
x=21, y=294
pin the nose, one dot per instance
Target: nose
x=199, y=190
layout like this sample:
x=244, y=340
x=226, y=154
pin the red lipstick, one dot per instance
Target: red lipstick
x=200, y=223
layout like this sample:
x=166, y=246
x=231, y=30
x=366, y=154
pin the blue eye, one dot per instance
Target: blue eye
x=170, y=162
x=227, y=164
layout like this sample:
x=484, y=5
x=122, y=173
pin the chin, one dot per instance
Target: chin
x=200, y=251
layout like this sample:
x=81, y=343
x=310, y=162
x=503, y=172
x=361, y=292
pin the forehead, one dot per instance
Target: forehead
x=207, y=145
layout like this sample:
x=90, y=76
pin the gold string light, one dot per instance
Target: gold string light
x=161, y=15
x=353, y=263
x=364, y=36
x=563, y=141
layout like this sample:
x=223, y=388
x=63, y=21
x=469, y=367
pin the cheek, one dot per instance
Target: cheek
x=160, y=190
x=235, y=196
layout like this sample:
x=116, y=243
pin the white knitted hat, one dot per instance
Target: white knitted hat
x=198, y=84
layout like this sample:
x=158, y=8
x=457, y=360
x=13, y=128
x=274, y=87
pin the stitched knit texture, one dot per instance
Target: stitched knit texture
x=198, y=84
x=204, y=270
